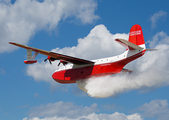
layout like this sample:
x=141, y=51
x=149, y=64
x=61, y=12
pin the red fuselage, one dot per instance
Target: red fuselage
x=71, y=75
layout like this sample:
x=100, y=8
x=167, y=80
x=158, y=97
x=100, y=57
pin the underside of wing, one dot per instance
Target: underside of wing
x=57, y=56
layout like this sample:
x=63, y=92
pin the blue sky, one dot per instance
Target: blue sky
x=28, y=91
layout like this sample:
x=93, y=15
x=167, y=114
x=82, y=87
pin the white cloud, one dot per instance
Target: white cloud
x=5, y=1
x=61, y=109
x=94, y=116
x=99, y=39
x=156, y=17
x=69, y=111
x=42, y=71
x=156, y=109
x=159, y=38
x=21, y=20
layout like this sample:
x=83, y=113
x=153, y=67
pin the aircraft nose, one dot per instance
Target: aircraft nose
x=54, y=76
x=58, y=76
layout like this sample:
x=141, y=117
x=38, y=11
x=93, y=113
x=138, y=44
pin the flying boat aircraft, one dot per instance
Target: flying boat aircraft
x=77, y=69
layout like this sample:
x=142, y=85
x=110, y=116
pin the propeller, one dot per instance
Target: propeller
x=63, y=62
x=53, y=59
x=50, y=59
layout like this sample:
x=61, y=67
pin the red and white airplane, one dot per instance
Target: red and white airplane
x=76, y=68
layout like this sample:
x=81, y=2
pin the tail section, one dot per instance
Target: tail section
x=136, y=39
x=135, y=46
x=136, y=36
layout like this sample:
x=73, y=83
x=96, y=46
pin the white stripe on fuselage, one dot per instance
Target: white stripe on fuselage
x=126, y=54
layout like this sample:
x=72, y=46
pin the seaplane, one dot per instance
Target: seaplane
x=74, y=68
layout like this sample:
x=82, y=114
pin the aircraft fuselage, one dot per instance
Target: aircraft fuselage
x=106, y=66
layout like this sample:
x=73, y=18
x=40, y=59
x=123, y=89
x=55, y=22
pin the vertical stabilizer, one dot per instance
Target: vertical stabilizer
x=136, y=36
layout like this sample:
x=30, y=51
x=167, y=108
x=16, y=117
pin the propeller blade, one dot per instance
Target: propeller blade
x=59, y=63
x=45, y=60
x=50, y=62
x=48, y=59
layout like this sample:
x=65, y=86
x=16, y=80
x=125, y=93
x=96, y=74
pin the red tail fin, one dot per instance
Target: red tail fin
x=136, y=35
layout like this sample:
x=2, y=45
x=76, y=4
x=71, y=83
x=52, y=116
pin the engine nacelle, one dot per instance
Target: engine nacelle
x=30, y=61
x=51, y=58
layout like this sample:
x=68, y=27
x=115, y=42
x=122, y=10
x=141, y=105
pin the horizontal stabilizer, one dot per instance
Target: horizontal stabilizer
x=128, y=44
x=151, y=49
x=126, y=70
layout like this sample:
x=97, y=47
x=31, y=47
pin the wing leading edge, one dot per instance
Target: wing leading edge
x=57, y=56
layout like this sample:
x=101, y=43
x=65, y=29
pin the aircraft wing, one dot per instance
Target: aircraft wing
x=57, y=56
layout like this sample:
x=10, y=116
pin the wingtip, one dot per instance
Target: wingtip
x=11, y=42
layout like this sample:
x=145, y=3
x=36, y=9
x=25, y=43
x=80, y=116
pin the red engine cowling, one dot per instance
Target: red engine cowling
x=51, y=58
x=30, y=61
